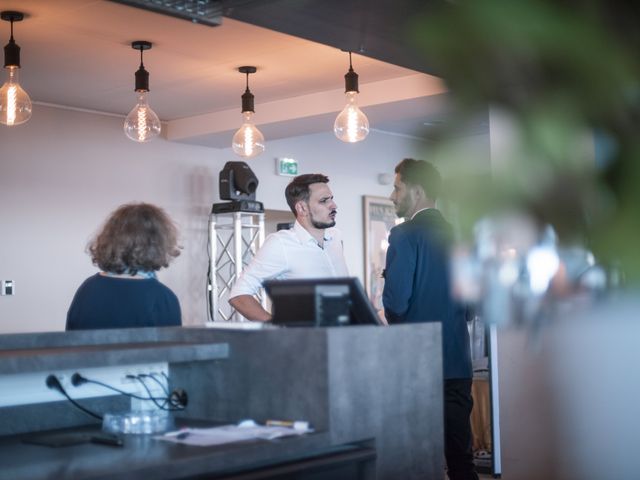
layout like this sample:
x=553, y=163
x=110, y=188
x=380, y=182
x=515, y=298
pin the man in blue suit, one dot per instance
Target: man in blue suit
x=417, y=289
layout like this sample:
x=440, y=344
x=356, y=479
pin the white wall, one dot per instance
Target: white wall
x=64, y=171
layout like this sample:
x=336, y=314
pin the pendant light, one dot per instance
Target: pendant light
x=15, y=104
x=248, y=141
x=351, y=125
x=142, y=123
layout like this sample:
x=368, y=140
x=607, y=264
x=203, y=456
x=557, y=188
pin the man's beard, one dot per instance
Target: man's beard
x=401, y=211
x=321, y=225
x=402, y=208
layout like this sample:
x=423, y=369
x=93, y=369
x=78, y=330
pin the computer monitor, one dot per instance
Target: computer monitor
x=320, y=302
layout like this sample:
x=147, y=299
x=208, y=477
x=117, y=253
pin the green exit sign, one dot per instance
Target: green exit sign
x=287, y=167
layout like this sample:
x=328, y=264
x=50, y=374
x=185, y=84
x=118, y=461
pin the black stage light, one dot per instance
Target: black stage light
x=237, y=183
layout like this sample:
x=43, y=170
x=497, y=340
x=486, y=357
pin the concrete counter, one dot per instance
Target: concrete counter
x=377, y=388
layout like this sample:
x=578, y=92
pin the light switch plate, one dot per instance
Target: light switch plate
x=7, y=287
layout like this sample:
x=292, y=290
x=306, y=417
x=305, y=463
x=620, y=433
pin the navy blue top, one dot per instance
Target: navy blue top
x=115, y=302
x=417, y=287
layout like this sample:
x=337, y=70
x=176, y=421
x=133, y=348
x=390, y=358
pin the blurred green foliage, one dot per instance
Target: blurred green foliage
x=559, y=71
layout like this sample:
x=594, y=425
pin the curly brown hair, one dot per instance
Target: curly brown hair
x=136, y=237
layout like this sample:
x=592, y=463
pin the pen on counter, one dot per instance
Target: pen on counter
x=297, y=425
x=279, y=423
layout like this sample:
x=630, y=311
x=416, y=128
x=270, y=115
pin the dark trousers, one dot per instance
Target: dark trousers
x=457, y=429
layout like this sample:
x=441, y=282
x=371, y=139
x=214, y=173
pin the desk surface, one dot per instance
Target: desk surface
x=142, y=456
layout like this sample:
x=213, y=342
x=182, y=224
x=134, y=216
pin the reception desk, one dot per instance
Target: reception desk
x=372, y=394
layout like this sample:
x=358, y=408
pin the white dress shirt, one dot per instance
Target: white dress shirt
x=293, y=253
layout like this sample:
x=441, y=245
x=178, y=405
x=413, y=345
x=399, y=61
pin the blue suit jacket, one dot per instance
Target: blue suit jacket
x=417, y=286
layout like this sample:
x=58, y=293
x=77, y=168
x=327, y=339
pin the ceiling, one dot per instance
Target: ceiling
x=77, y=54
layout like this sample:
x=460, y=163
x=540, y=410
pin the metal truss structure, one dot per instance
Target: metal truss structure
x=234, y=238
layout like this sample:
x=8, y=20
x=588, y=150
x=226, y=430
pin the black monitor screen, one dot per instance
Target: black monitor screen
x=320, y=302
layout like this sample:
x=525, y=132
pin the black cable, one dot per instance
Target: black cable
x=178, y=398
x=209, y=278
x=165, y=400
x=53, y=382
x=174, y=397
x=174, y=407
x=175, y=404
x=152, y=376
x=208, y=294
x=77, y=380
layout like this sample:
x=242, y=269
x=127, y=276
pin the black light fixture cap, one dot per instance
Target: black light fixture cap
x=247, y=69
x=142, y=76
x=142, y=80
x=248, y=104
x=351, y=81
x=141, y=45
x=248, y=101
x=11, y=49
x=12, y=16
x=12, y=54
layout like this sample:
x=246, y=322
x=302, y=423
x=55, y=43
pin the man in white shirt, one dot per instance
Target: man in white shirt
x=311, y=249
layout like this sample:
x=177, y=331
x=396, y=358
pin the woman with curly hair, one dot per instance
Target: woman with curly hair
x=137, y=240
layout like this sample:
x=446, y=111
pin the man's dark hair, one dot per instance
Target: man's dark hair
x=136, y=237
x=422, y=174
x=298, y=189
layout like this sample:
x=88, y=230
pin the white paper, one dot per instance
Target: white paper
x=205, y=437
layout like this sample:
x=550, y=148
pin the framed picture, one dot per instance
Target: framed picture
x=379, y=219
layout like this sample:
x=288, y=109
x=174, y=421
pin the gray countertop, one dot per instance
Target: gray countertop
x=23, y=360
x=23, y=353
x=143, y=456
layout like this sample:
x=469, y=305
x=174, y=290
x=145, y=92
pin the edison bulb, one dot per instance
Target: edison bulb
x=248, y=141
x=142, y=124
x=351, y=125
x=15, y=104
